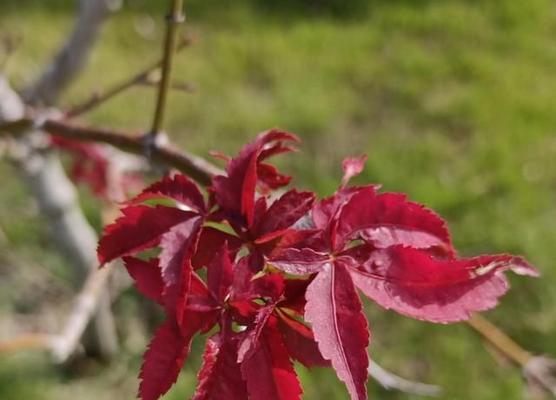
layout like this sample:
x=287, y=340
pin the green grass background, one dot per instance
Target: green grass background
x=453, y=101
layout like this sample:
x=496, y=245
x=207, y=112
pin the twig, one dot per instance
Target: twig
x=151, y=81
x=100, y=98
x=391, y=381
x=174, y=18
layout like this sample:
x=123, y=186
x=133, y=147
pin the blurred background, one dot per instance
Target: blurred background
x=453, y=101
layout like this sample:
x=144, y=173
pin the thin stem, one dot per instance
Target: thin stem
x=174, y=18
x=100, y=98
x=500, y=340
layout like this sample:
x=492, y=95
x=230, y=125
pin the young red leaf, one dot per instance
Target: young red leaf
x=352, y=166
x=236, y=191
x=146, y=276
x=220, y=375
x=210, y=241
x=139, y=228
x=268, y=371
x=415, y=284
x=163, y=360
x=340, y=328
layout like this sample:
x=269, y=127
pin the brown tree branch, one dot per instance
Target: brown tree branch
x=174, y=18
x=196, y=167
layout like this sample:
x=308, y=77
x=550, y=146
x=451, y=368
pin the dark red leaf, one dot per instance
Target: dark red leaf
x=340, y=328
x=300, y=342
x=146, y=276
x=270, y=178
x=163, y=360
x=268, y=371
x=285, y=211
x=294, y=294
x=210, y=241
x=139, y=228
x=415, y=284
x=179, y=188
x=270, y=286
x=220, y=375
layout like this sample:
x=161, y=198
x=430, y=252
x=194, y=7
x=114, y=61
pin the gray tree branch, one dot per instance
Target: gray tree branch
x=72, y=56
x=43, y=173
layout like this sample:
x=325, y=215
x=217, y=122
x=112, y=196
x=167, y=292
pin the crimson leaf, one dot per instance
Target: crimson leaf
x=341, y=331
x=139, y=228
x=163, y=360
x=416, y=284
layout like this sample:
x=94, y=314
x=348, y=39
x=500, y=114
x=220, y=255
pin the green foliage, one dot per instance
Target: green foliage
x=454, y=101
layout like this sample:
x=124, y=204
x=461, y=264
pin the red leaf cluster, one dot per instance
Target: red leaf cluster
x=274, y=275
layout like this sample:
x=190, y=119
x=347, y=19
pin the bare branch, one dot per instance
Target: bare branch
x=174, y=18
x=391, y=381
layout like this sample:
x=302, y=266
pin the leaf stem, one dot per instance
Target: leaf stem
x=175, y=18
x=500, y=340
